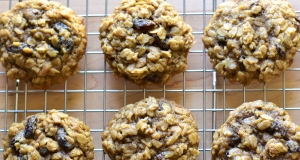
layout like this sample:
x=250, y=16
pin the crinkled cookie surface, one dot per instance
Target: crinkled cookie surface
x=54, y=136
x=152, y=129
x=145, y=41
x=252, y=40
x=41, y=42
x=257, y=130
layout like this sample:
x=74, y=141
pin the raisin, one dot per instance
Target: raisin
x=16, y=139
x=43, y=151
x=16, y=49
x=271, y=129
x=143, y=24
x=160, y=103
x=69, y=45
x=298, y=19
x=20, y=157
x=241, y=66
x=12, y=143
x=159, y=156
x=253, y=4
x=37, y=12
x=227, y=153
x=30, y=128
x=161, y=44
x=149, y=120
x=62, y=141
x=297, y=26
x=234, y=140
x=222, y=41
x=293, y=145
x=155, y=78
x=59, y=25
x=276, y=127
x=258, y=14
x=60, y=42
x=284, y=134
x=279, y=51
x=32, y=14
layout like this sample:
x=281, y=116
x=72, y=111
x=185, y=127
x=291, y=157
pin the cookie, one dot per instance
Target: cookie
x=152, y=129
x=146, y=42
x=49, y=136
x=257, y=130
x=41, y=42
x=252, y=40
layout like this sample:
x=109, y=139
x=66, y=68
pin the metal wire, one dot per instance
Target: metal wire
x=210, y=114
x=204, y=89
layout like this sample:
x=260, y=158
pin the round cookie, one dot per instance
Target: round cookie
x=252, y=40
x=257, y=130
x=146, y=42
x=41, y=42
x=152, y=129
x=49, y=136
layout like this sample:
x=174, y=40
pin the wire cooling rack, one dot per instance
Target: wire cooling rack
x=94, y=95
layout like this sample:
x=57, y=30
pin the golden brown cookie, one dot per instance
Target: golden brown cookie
x=152, y=129
x=49, y=136
x=145, y=42
x=257, y=130
x=252, y=40
x=41, y=42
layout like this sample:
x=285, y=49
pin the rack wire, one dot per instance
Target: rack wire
x=94, y=95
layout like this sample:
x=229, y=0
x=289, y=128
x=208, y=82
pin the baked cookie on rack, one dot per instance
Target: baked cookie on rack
x=257, y=130
x=252, y=40
x=145, y=41
x=152, y=129
x=41, y=42
x=49, y=136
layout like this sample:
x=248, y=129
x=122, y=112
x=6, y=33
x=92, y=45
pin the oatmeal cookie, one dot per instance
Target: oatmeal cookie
x=41, y=42
x=152, y=129
x=252, y=40
x=145, y=41
x=257, y=130
x=49, y=136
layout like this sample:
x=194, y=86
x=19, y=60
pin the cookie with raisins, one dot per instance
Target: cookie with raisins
x=252, y=40
x=49, y=136
x=146, y=42
x=41, y=42
x=257, y=130
x=152, y=129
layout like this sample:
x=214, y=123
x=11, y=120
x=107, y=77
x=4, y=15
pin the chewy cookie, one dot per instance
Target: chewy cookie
x=145, y=41
x=152, y=129
x=41, y=42
x=252, y=40
x=257, y=130
x=49, y=136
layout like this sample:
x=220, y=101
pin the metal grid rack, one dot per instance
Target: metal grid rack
x=93, y=95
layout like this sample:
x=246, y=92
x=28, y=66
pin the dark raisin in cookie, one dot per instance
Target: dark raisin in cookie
x=257, y=130
x=49, y=136
x=152, y=129
x=252, y=40
x=145, y=42
x=41, y=42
